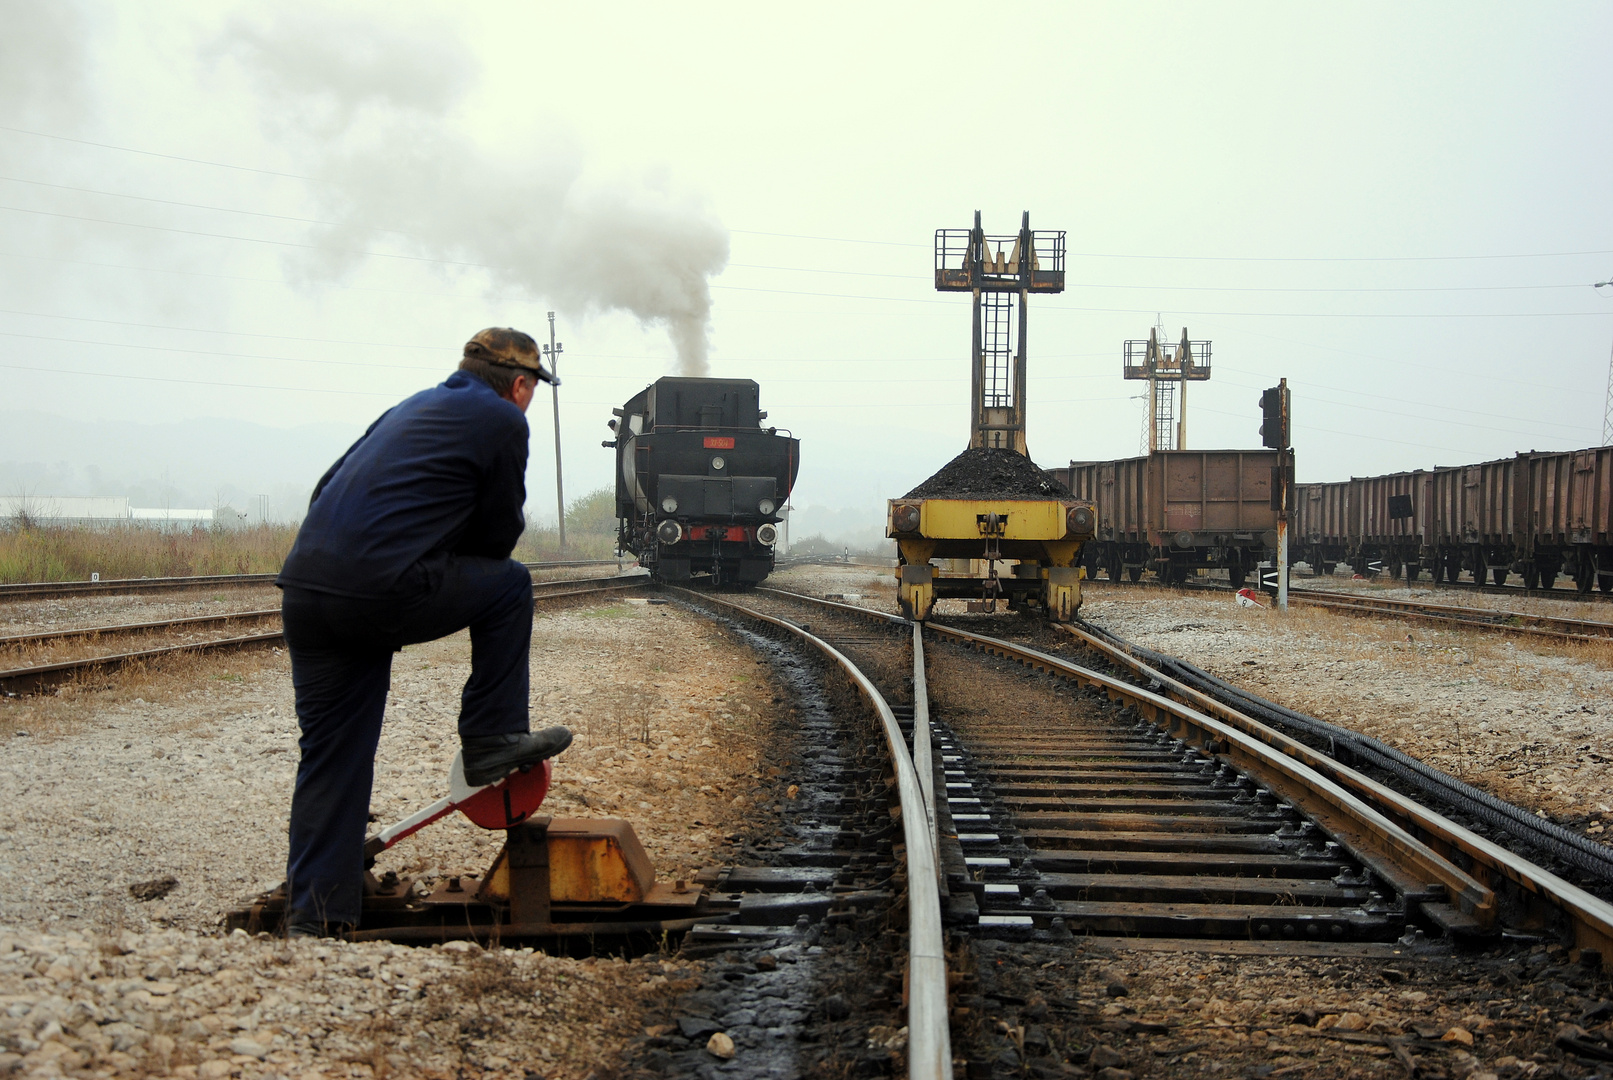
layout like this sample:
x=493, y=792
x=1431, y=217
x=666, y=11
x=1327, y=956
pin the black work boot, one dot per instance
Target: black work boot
x=490, y=758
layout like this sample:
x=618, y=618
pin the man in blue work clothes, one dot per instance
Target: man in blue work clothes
x=408, y=539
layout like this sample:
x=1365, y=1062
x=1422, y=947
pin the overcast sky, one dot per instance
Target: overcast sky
x=291, y=217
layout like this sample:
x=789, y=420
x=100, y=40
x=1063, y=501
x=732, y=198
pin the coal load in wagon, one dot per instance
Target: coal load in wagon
x=988, y=473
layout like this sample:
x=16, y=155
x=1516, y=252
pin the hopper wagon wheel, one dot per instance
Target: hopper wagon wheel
x=1531, y=576
x=1498, y=574
x=1235, y=575
x=1548, y=579
x=1135, y=573
x=1413, y=571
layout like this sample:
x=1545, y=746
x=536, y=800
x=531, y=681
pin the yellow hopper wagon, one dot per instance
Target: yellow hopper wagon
x=991, y=527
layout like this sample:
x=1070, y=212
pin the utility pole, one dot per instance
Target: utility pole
x=551, y=352
x=1607, y=404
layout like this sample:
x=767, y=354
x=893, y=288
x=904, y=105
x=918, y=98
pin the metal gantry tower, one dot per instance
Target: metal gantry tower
x=1607, y=405
x=1002, y=272
x=1168, y=370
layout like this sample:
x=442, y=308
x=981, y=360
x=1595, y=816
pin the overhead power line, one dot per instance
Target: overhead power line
x=155, y=154
x=1219, y=258
x=880, y=243
x=244, y=239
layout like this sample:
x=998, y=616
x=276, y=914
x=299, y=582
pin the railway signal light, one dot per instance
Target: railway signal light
x=1274, y=416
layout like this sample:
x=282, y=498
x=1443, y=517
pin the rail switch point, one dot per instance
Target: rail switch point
x=554, y=877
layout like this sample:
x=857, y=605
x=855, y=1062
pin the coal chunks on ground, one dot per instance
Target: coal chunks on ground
x=985, y=473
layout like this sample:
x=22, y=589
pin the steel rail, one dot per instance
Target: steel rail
x=1391, y=851
x=929, y=1038
x=1512, y=622
x=38, y=676
x=133, y=628
x=35, y=677
x=551, y=590
x=31, y=590
x=1567, y=593
x=1590, y=917
x=1472, y=618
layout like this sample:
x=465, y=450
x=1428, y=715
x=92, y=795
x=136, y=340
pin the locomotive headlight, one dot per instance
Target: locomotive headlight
x=1080, y=520
x=669, y=505
x=669, y=532
x=766, y=506
x=717, y=463
x=906, y=518
x=767, y=534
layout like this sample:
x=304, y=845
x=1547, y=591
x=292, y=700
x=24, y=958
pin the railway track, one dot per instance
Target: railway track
x=36, y=677
x=1450, y=615
x=45, y=590
x=1139, y=807
x=1512, y=622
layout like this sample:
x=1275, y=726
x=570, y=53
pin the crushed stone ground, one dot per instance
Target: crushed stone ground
x=188, y=773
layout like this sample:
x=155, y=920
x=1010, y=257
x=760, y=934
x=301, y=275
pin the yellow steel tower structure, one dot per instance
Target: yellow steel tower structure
x=1041, y=536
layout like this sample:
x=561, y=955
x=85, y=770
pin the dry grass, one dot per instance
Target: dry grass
x=70, y=553
x=46, y=552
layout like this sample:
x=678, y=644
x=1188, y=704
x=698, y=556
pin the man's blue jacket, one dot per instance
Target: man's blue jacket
x=442, y=473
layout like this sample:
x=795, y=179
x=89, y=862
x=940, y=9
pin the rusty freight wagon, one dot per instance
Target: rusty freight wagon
x=1474, y=521
x=1178, y=511
x=1323, y=526
x=1565, y=507
x=1392, y=520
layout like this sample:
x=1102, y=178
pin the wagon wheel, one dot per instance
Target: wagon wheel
x=1531, y=576
x=1548, y=579
x=1235, y=575
x=1135, y=573
x=1499, y=575
x=1413, y=571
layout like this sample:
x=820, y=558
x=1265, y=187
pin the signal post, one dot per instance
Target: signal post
x=1275, y=433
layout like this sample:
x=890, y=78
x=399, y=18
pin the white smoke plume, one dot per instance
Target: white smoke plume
x=381, y=109
x=43, y=61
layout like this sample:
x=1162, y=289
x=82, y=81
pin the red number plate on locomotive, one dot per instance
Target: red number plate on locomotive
x=719, y=442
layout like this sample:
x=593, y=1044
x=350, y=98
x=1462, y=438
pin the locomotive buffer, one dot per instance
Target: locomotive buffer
x=979, y=531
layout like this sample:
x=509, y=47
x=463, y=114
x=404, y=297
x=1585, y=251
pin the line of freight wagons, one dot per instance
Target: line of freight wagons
x=1540, y=515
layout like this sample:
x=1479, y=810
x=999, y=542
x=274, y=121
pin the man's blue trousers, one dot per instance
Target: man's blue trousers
x=341, y=667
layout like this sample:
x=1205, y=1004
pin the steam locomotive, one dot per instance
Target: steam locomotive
x=699, y=480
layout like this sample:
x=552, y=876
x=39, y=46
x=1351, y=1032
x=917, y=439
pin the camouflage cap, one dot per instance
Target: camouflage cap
x=508, y=348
